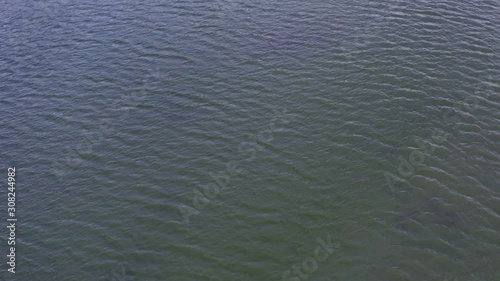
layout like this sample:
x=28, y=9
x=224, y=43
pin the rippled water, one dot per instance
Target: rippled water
x=229, y=140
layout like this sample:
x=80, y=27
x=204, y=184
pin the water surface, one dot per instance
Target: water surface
x=121, y=118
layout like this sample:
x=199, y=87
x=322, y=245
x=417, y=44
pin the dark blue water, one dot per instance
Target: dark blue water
x=262, y=140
